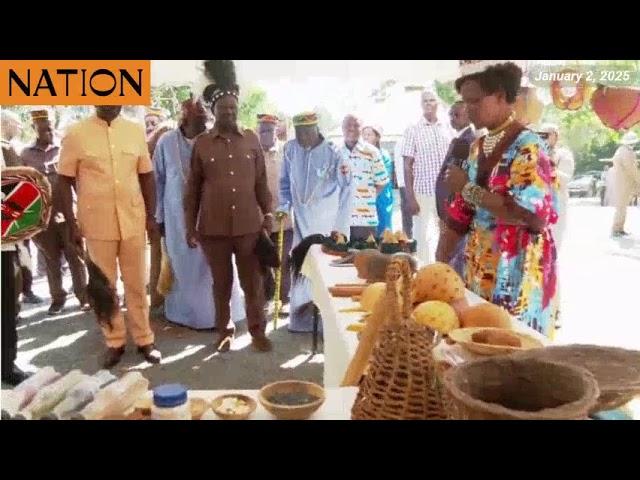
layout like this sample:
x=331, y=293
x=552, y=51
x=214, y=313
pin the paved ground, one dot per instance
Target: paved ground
x=600, y=301
x=600, y=278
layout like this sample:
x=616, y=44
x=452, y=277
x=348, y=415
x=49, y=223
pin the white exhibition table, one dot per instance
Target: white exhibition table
x=340, y=344
x=337, y=404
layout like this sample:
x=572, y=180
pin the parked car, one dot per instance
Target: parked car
x=583, y=185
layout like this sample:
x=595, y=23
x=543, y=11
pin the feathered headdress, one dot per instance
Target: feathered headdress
x=221, y=78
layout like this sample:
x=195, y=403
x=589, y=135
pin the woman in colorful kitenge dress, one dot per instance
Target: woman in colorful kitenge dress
x=507, y=196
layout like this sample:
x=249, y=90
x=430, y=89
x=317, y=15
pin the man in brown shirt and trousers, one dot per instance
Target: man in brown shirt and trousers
x=228, y=199
x=55, y=240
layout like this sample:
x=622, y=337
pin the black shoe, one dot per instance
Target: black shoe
x=56, y=307
x=15, y=376
x=150, y=353
x=31, y=298
x=112, y=357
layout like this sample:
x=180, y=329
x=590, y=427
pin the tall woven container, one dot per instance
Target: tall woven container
x=401, y=382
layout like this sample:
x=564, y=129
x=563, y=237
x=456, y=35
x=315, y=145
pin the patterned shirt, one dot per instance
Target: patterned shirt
x=368, y=170
x=427, y=144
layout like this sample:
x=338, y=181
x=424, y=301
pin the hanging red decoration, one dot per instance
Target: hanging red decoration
x=617, y=107
x=573, y=102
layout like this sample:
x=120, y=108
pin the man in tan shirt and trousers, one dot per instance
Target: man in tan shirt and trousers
x=105, y=158
x=627, y=180
x=272, y=150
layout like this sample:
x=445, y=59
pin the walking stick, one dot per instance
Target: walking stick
x=278, y=304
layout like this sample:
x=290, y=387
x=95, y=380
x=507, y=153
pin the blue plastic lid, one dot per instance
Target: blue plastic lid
x=168, y=396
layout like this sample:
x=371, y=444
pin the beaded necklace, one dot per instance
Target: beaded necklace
x=494, y=136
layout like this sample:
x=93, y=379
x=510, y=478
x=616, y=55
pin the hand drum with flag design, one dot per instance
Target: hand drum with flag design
x=26, y=203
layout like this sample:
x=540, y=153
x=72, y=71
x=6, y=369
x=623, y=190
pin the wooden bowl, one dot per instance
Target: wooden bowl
x=463, y=336
x=198, y=406
x=291, y=412
x=217, y=403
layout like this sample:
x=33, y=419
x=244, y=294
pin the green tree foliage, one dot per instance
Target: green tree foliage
x=64, y=116
x=252, y=103
x=170, y=98
x=446, y=91
x=326, y=121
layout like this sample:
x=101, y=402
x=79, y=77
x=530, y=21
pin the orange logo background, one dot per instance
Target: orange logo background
x=75, y=82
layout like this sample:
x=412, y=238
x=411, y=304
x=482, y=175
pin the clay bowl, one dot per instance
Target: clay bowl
x=287, y=387
x=216, y=405
x=506, y=388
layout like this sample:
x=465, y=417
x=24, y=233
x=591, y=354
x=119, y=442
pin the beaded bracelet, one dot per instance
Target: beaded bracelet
x=472, y=193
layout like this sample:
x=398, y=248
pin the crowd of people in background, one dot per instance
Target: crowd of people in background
x=482, y=192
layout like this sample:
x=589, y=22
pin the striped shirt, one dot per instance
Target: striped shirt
x=427, y=143
x=368, y=170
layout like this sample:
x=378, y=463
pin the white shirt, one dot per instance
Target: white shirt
x=565, y=167
x=628, y=175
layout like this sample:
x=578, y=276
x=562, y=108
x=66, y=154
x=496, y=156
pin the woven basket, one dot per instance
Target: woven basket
x=505, y=388
x=616, y=370
x=20, y=222
x=401, y=382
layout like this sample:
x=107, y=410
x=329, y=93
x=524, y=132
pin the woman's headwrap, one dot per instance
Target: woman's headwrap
x=190, y=107
x=221, y=75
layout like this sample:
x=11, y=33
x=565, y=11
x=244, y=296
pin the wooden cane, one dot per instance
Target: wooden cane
x=278, y=304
